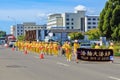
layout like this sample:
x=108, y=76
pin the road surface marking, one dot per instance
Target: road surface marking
x=111, y=77
x=63, y=64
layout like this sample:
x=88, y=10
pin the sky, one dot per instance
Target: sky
x=14, y=12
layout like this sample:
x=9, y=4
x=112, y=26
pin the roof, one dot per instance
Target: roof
x=64, y=30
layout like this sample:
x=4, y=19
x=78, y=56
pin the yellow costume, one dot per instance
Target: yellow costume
x=68, y=50
x=55, y=49
x=97, y=46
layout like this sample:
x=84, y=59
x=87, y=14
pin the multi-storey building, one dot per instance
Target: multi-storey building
x=67, y=20
x=77, y=20
x=91, y=21
x=20, y=29
x=55, y=20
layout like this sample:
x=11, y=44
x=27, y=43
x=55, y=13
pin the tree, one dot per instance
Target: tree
x=2, y=34
x=93, y=34
x=109, y=20
x=116, y=33
x=76, y=35
x=21, y=38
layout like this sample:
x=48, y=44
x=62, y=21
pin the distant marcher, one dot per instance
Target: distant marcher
x=97, y=46
x=63, y=48
x=111, y=47
x=75, y=47
x=68, y=51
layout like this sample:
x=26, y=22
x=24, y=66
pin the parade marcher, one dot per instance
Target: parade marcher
x=50, y=48
x=63, y=47
x=97, y=46
x=111, y=47
x=68, y=51
x=55, y=48
x=75, y=47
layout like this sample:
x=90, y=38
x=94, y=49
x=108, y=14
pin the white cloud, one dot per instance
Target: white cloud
x=89, y=10
x=80, y=7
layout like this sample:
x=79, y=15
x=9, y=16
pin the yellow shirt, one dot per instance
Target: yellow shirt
x=75, y=46
x=97, y=47
x=111, y=47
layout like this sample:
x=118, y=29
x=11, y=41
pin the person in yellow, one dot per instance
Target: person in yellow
x=75, y=47
x=63, y=48
x=97, y=46
x=55, y=48
x=111, y=46
x=68, y=51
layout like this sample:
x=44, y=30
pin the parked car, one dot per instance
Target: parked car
x=85, y=45
x=11, y=43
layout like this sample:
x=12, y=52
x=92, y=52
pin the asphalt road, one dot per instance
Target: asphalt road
x=15, y=65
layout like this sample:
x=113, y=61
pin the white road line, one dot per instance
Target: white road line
x=111, y=77
x=63, y=64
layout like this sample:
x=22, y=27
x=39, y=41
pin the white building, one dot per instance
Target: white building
x=54, y=20
x=76, y=20
x=67, y=20
x=13, y=30
x=91, y=21
x=33, y=26
x=20, y=29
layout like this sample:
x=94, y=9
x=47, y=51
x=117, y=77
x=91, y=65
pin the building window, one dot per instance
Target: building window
x=94, y=23
x=67, y=23
x=72, y=27
x=72, y=23
x=67, y=19
x=17, y=33
x=17, y=30
x=89, y=27
x=94, y=26
x=94, y=18
x=21, y=30
x=89, y=22
x=67, y=15
x=67, y=27
x=89, y=18
x=72, y=19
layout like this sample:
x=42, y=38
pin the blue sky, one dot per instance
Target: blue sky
x=20, y=11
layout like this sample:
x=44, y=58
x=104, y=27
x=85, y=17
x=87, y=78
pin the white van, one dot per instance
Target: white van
x=11, y=43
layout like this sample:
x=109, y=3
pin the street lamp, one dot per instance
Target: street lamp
x=12, y=19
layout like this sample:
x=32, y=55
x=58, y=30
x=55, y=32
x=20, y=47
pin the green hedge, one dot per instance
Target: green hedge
x=117, y=54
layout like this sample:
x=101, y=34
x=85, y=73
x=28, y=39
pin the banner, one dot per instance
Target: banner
x=94, y=54
x=30, y=35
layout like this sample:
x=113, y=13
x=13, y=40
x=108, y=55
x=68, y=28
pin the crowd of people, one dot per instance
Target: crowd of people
x=49, y=48
x=52, y=48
